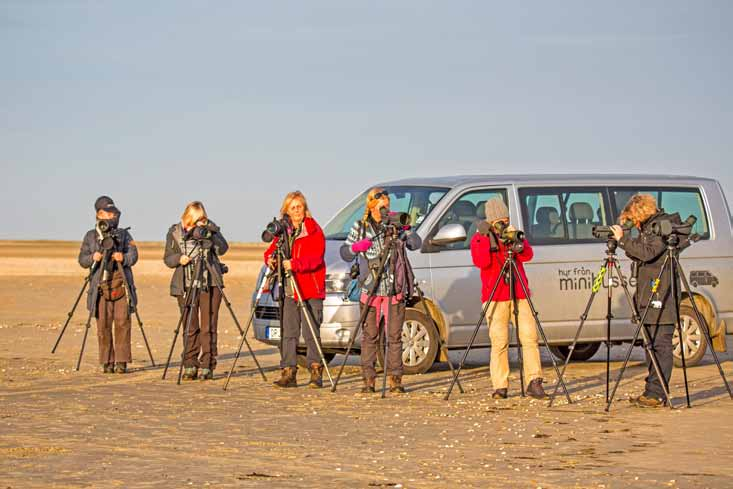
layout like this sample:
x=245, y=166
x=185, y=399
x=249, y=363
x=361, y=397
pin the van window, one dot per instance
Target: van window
x=686, y=201
x=562, y=215
x=417, y=201
x=467, y=211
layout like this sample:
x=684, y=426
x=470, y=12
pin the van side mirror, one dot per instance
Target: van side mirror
x=450, y=233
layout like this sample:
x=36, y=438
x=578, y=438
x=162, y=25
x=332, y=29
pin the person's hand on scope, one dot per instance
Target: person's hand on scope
x=510, y=228
x=272, y=263
x=97, y=256
x=361, y=246
x=117, y=256
x=184, y=260
x=287, y=265
x=618, y=232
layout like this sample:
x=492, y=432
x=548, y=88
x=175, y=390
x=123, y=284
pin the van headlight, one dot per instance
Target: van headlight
x=336, y=283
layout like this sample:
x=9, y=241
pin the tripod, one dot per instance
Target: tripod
x=286, y=276
x=672, y=267
x=509, y=269
x=192, y=296
x=608, y=268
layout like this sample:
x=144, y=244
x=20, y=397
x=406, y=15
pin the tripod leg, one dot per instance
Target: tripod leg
x=175, y=338
x=242, y=332
x=703, y=325
x=239, y=352
x=357, y=330
x=84, y=339
x=475, y=330
x=541, y=331
x=520, y=352
x=145, y=338
x=132, y=307
x=678, y=325
x=443, y=347
x=386, y=361
x=609, y=316
x=192, y=309
x=583, y=318
x=71, y=313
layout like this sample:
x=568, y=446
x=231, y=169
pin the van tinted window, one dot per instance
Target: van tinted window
x=686, y=201
x=562, y=215
x=467, y=211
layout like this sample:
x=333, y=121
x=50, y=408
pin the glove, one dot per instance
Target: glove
x=361, y=246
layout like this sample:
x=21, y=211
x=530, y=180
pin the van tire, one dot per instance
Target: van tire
x=583, y=351
x=425, y=347
x=696, y=344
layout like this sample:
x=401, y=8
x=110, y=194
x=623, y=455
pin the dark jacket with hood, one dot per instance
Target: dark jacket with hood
x=91, y=244
x=173, y=253
x=648, y=251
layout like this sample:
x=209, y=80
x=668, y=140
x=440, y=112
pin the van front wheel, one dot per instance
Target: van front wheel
x=583, y=352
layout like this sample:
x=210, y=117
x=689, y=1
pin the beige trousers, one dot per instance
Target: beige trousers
x=497, y=317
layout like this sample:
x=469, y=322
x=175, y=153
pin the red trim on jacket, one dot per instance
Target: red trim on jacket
x=490, y=264
x=309, y=267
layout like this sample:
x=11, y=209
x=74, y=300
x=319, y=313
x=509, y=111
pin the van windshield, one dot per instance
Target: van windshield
x=416, y=201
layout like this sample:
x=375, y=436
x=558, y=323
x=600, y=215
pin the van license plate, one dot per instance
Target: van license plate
x=273, y=333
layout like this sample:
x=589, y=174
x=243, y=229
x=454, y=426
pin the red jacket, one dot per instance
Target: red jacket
x=490, y=265
x=309, y=268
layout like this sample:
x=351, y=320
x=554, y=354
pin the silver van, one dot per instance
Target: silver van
x=557, y=213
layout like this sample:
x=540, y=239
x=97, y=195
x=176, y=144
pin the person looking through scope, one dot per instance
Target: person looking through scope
x=306, y=245
x=196, y=237
x=488, y=250
x=368, y=239
x=104, y=247
x=647, y=251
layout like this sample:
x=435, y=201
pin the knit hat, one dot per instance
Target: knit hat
x=496, y=209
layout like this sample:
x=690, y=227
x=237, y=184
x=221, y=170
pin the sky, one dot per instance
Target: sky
x=236, y=103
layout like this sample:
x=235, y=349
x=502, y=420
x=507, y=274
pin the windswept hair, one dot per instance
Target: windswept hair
x=638, y=209
x=289, y=198
x=371, y=202
x=193, y=213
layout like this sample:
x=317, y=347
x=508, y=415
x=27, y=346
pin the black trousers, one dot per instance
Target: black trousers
x=293, y=321
x=662, y=341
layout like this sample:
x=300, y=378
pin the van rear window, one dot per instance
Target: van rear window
x=560, y=215
x=686, y=201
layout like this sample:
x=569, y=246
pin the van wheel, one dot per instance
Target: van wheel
x=695, y=345
x=419, y=343
x=583, y=352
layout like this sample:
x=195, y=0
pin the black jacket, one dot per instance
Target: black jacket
x=648, y=251
x=90, y=244
x=173, y=255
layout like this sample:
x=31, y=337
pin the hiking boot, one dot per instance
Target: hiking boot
x=646, y=402
x=206, y=374
x=108, y=368
x=368, y=387
x=316, y=381
x=287, y=378
x=121, y=368
x=395, y=384
x=534, y=389
x=190, y=373
x=500, y=394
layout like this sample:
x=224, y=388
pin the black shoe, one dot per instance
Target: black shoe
x=206, y=374
x=395, y=384
x=534, y=389
x=500, y=394
x=644, y=401
x=108, y=368
x=121, y=368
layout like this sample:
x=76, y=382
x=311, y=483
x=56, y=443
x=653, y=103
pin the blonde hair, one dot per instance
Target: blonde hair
x=638, y=209
x=193, y=213
x=289, y=198
x=371, y=202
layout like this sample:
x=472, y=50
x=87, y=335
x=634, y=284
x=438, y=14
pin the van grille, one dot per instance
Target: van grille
x=267, y=312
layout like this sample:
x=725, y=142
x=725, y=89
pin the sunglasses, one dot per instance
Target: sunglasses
x=381, y=194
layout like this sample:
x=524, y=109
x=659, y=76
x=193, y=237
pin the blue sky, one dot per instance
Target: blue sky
x=236, y=103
